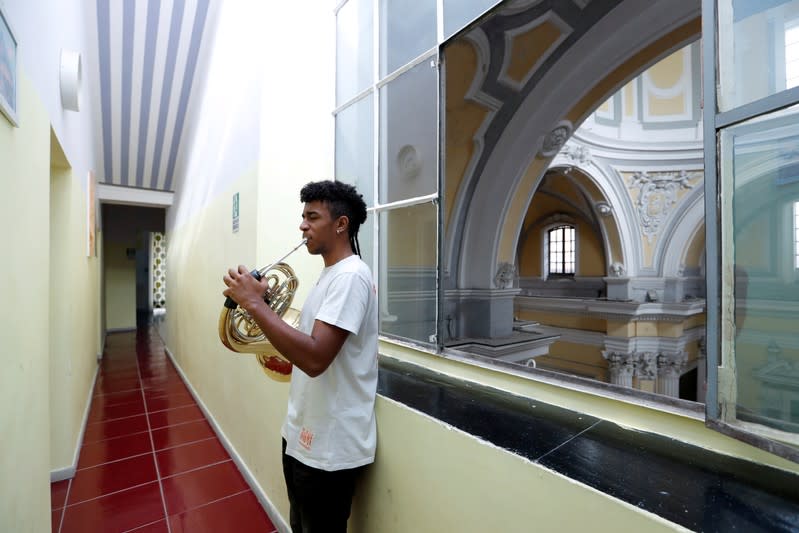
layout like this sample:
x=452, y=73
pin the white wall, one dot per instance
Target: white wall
x=264, y=128
x=43, y=28
x=42, y=422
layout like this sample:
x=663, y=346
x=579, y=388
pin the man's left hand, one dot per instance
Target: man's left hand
x=243, y=288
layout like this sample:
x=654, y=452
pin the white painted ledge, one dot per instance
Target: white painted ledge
x=115, y=194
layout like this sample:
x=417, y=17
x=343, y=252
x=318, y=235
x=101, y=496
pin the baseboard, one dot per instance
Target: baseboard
x=102, y=346
x=276, y=518
x=60, y=474
x=120, y=330
x=68, y=472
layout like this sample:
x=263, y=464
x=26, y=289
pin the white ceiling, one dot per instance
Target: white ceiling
x=148, y=53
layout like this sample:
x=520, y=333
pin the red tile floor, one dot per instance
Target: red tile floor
x=150, y=462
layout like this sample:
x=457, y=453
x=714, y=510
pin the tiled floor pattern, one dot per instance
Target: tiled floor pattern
x=150, y=462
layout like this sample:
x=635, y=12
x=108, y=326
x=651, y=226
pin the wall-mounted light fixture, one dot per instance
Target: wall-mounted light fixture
x=70, y=80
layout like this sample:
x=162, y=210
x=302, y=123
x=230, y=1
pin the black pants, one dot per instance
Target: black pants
x=320, y=500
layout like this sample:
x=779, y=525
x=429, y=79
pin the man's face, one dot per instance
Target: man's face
x=318, y=227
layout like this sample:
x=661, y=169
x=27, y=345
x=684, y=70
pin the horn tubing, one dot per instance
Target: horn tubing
x=257, y=274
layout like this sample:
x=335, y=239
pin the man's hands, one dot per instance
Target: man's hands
x=312, y=353
x=244, y=289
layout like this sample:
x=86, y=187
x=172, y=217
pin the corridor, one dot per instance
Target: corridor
x=149, y=461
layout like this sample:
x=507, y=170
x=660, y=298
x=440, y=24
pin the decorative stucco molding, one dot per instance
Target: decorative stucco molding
x=506, y=276
x=603, y=208
x=408, y=162
x=646, y=366
x=657, y=196
x=671, y=364
x=555, y=139
x=576, y=153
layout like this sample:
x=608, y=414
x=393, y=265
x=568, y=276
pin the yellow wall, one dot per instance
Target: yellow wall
x=120, y=285
x=462, y=118
x=247, y=406
x=590, y=250
x=694, y=253
x=24, y=318
x=586, y=323
x=74, y=314
x=580, y=359
x=668, y=74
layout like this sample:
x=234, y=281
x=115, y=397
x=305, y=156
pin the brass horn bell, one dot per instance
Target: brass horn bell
x=240, y=333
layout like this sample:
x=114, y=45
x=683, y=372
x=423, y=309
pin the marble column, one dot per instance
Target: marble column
x=621, y=366
x=646, y=370
x=670, y=366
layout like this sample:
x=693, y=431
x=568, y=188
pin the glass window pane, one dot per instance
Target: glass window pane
x=408, y=272
x=355, y=147
x=459, y=13
x=366, y=240
x=760, y=163
x=354, y=49
x=792, y=55
x=408, y=135
x=796, y=234
x=406, y=30
x=756, y=36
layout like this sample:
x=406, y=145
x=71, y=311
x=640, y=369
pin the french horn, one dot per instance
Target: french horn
x=239, y=332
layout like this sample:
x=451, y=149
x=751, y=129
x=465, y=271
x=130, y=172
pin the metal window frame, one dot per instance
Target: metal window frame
x=562, y=228
x=714, y=122
x=379, y=82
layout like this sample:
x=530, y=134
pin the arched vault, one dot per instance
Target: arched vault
x=534, y=75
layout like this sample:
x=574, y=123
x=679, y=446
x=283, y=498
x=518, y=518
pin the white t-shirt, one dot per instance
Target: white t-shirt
x=330, y=422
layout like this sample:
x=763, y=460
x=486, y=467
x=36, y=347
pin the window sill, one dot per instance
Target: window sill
x=681, y=420
x=634, y=397
x=686, y=484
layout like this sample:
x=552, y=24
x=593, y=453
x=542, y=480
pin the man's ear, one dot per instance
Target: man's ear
x=342, y=224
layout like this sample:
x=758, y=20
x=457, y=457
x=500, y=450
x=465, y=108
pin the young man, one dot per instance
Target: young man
x=329, y=434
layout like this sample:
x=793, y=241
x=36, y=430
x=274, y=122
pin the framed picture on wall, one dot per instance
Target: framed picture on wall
x=91, y=216
x=8, y=70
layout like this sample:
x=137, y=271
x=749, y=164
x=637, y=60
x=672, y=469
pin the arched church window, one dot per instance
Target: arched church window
x=561, y=247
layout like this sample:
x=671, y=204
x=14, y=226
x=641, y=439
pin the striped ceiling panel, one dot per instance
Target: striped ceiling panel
x=148, y=53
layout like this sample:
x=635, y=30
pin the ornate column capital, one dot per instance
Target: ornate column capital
x=620, y=361
x=621, y=366
x=670, y=367
x=646, y=366
x=671, y=364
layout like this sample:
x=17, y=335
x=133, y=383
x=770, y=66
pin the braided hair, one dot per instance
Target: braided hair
x=342, y=199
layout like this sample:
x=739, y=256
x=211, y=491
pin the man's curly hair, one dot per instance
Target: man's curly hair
x=342, y=199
